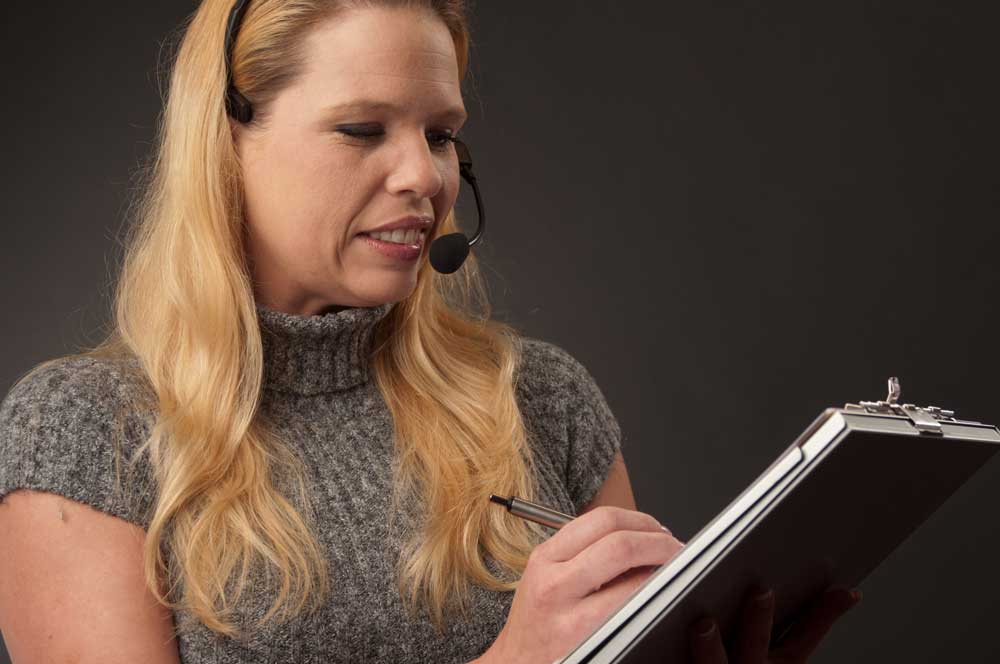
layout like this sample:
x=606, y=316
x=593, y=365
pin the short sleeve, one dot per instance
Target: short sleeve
x=577, y=431
x=67, y=428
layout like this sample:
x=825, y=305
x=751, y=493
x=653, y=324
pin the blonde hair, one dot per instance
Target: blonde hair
x=185, y=313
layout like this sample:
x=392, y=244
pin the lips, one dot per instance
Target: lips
x=418, y=222
x=405, y=252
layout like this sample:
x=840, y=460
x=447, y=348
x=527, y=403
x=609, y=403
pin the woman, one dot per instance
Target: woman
x=284, y=450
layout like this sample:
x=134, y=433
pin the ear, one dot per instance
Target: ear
x=236, y=132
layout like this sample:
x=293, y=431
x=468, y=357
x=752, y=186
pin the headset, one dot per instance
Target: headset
x=448, y=252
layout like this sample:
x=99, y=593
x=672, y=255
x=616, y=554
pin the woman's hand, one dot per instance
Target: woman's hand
x=751, y=642
x=576, y=579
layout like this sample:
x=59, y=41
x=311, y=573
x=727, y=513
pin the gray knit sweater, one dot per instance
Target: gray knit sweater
x=57, y=430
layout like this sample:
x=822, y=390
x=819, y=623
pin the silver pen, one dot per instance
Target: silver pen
x=532, y=512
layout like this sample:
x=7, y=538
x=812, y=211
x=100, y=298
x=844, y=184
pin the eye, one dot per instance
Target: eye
x=443, y=140
x=370, y=133
x=361, y=131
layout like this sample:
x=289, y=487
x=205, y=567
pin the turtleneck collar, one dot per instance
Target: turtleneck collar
x=316, y=354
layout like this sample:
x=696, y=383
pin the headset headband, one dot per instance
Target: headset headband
x=237, y=105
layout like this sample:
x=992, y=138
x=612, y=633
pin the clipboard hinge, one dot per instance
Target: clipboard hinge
x=926, y=420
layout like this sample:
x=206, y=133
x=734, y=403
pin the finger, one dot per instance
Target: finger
x=586, y=529
x=809, y=630
x=754, y=637
x=706, y=643
x=613, y=555
x=612, y=596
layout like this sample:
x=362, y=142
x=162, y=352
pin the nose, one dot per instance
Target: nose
x=417, y=169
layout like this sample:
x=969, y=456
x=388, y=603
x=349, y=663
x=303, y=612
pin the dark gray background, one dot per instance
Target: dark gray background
x=734, y=216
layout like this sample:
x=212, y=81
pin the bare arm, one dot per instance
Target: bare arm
x=616, y=490
x=71, y=586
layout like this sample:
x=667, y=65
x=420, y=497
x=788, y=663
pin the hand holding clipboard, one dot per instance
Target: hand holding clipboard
x=580, y=576
x=793, y=530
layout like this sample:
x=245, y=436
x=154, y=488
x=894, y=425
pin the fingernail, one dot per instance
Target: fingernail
x=856, y=596
x=704, y=628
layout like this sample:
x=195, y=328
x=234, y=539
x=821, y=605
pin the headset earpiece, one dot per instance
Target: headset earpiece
x=238, y=106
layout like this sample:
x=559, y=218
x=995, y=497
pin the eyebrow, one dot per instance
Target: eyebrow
x=454, y=113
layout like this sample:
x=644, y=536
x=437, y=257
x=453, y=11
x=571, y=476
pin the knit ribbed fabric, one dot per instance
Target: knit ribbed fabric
x=59, y=426
x=309, y=355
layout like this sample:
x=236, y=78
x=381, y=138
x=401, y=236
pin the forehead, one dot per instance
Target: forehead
x=399, y=55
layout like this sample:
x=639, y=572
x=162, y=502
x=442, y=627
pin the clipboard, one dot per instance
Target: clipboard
x=850, y=489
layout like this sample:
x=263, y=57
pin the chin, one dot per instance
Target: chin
x=392, y=288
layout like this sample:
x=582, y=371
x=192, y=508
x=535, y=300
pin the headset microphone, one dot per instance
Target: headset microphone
x=448, y=252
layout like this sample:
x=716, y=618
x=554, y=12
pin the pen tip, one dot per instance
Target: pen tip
x=498, y=500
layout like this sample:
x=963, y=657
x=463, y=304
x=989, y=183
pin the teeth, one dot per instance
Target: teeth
x=400, y=236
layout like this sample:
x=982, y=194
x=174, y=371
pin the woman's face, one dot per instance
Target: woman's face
x=312, y=187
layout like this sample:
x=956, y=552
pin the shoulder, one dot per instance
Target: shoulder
x=554, y=380
x=70, y=395
x=573, y=429
x=550, y=371
x=71, y=378
x=69, y=426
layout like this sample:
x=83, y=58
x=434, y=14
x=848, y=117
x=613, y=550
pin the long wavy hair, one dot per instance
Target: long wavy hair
x=185, y=314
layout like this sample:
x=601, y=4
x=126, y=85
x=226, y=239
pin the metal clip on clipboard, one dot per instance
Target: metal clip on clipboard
x=926, y=420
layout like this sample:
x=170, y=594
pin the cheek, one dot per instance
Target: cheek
x=302, y=202
x=314, y=182
x=446, y=198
